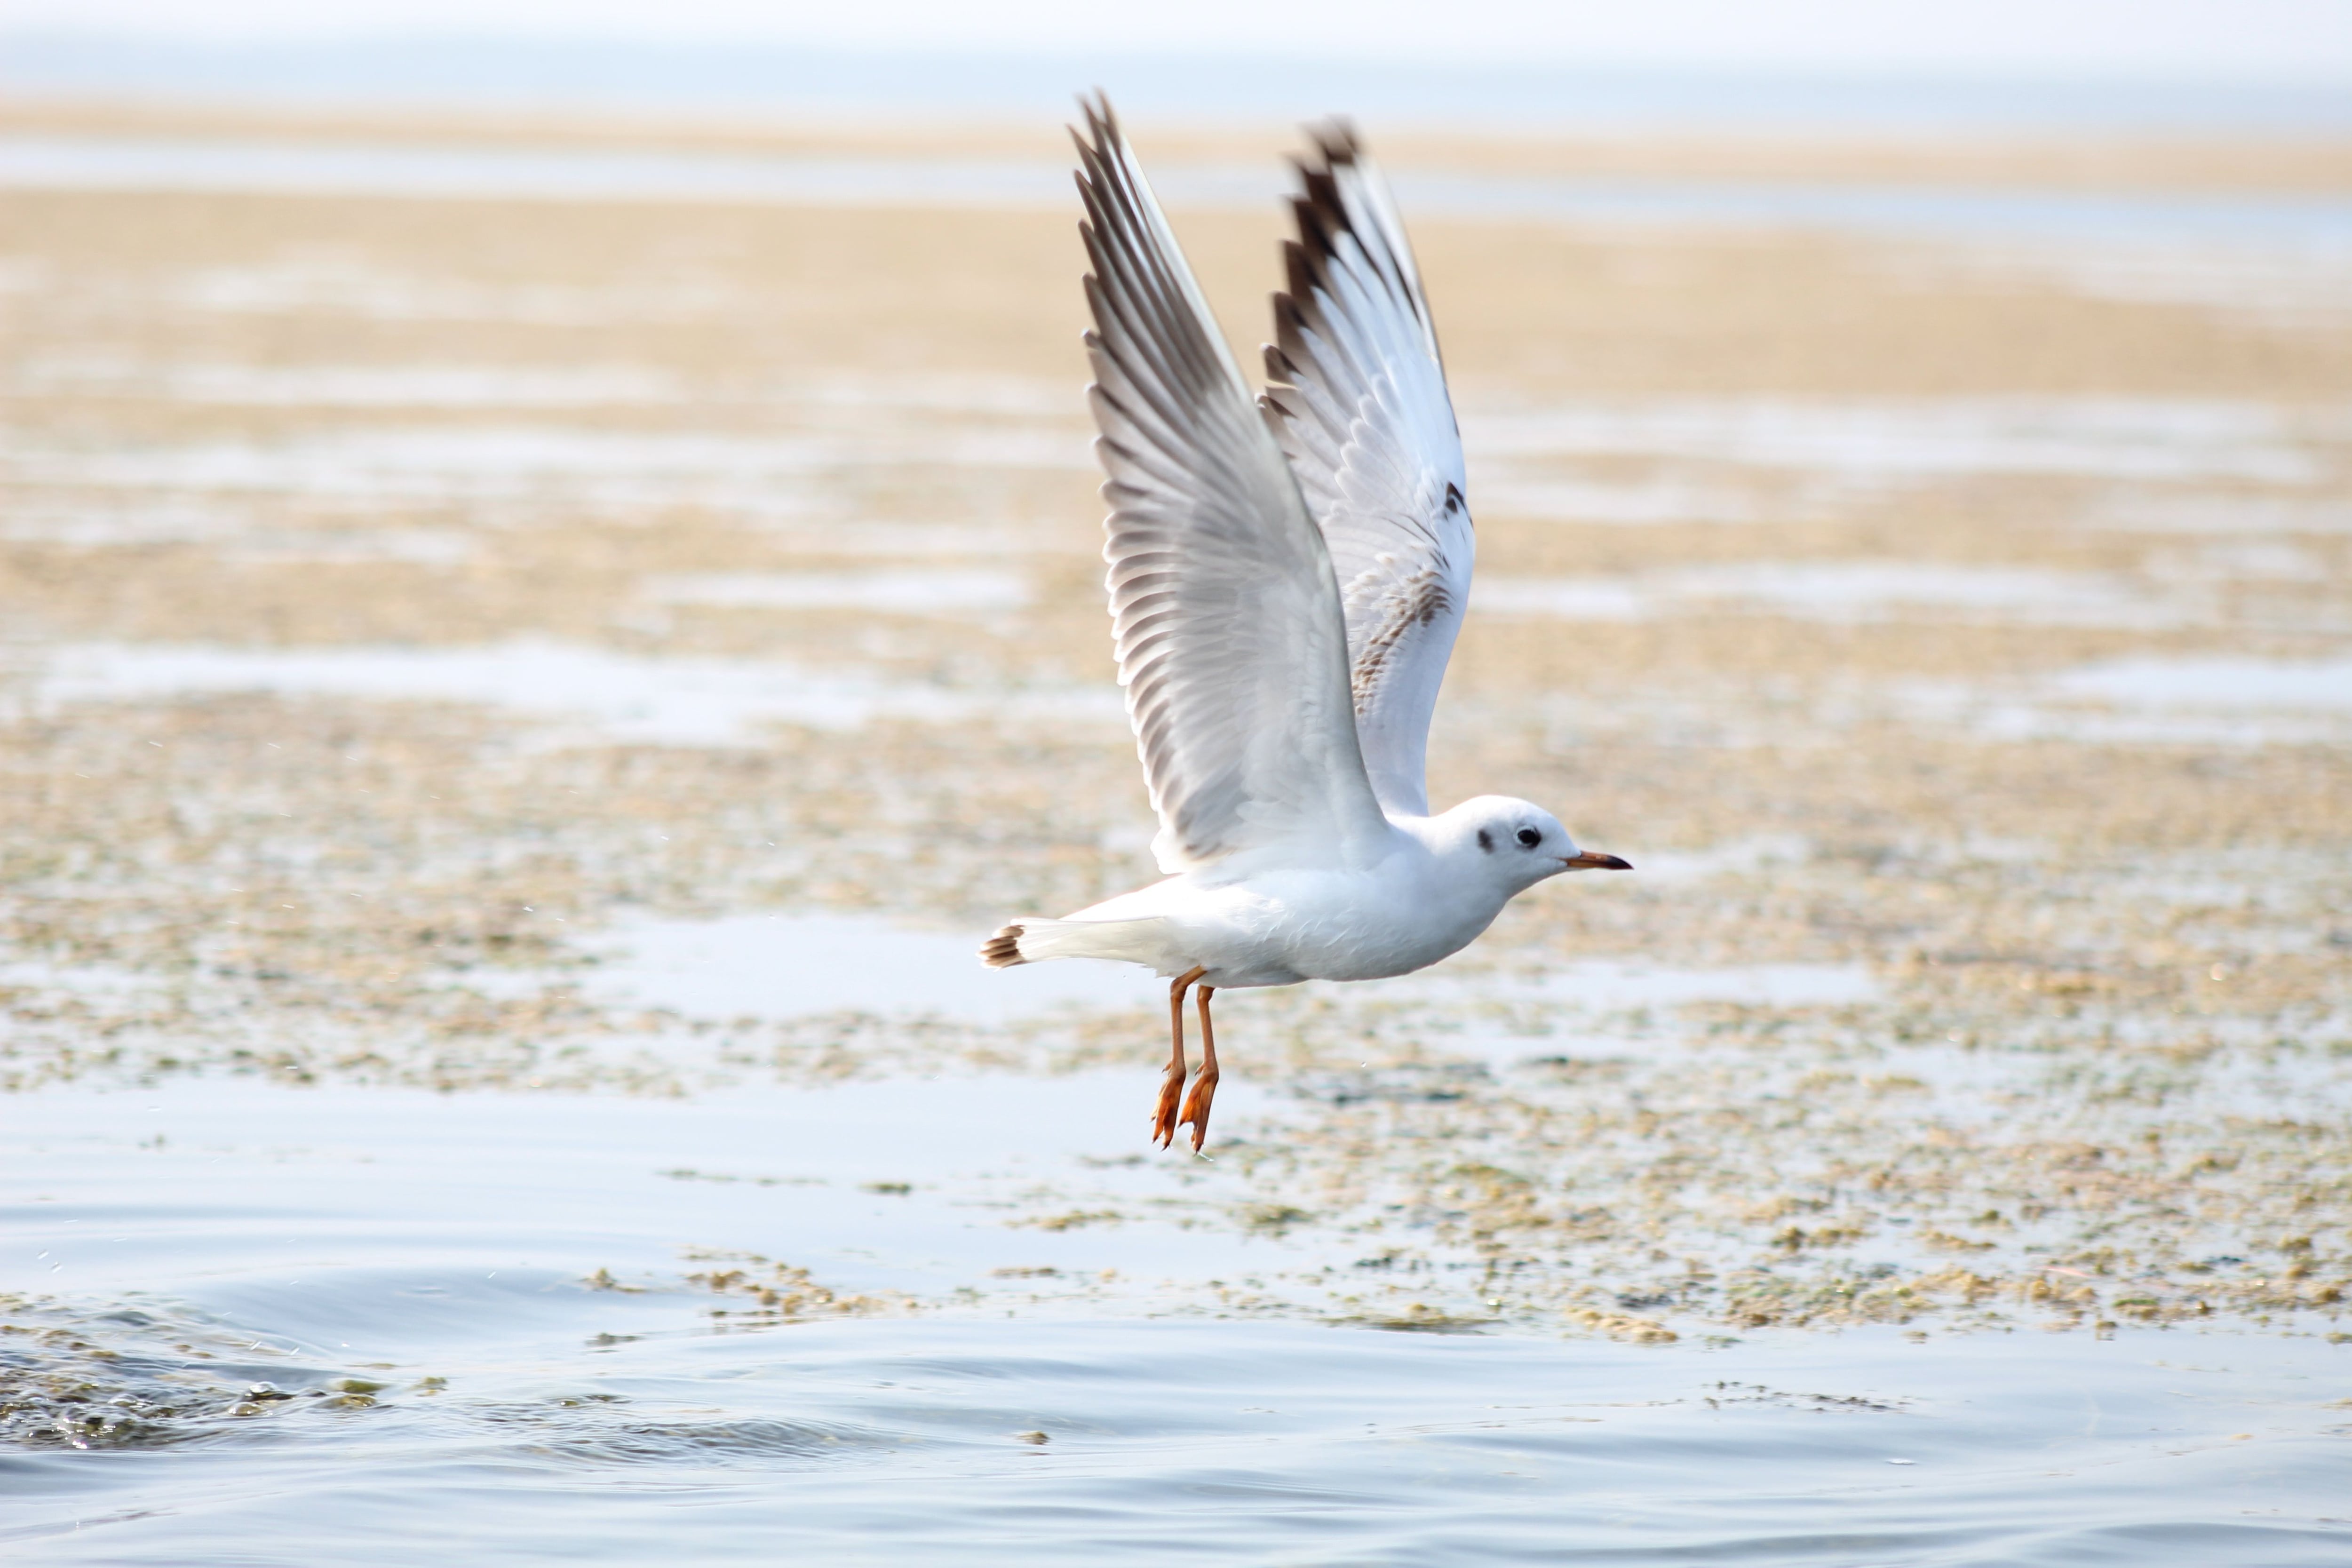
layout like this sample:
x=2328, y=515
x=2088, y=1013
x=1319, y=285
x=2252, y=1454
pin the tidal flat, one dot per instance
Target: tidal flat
x=531, y=653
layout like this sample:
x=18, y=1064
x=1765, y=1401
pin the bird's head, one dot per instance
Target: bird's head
x=1517, y=843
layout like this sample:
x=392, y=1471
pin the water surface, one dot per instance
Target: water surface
x=518, y=1326
x=56, y=161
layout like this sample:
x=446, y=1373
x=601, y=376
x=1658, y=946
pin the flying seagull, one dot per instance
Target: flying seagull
x=1287, y=573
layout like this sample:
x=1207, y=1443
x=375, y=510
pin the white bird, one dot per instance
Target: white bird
x=1287, y=573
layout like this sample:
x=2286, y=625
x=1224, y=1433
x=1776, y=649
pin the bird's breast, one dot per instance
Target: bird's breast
x=1370, y=926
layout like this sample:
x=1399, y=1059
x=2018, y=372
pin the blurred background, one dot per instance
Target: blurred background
x=2083, y=64
x=550, y=597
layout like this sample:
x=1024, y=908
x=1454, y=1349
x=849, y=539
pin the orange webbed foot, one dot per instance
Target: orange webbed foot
x=1163, y=1116
x=1196, y=1105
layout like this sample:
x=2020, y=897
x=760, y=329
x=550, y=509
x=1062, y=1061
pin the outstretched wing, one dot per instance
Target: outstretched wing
x=1230, y=641
x=1370, y=431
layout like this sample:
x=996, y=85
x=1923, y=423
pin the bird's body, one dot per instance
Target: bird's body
x=1288, y=574
x=1425, y=894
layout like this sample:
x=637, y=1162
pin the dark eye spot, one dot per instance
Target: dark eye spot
x=1452, y=501
x=1529, y=838
x=1485, y=841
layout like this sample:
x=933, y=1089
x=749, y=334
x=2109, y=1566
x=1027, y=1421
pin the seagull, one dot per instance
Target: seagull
x=1287, y=573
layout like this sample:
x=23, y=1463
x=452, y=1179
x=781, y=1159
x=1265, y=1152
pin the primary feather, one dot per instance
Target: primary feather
x=1364, y=419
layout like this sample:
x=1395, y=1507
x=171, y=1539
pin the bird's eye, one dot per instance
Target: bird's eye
x=1529, y=838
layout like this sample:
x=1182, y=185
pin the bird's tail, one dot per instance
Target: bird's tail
x=1030, y=940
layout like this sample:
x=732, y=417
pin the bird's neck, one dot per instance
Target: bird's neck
x=1463, y=879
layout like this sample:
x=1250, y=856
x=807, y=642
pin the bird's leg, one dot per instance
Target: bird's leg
x=1204, y=1087
x=1164, y=1117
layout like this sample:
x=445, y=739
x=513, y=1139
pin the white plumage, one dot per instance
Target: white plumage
x=1287, y=579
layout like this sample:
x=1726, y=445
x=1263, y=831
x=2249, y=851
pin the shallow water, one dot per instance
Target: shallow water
x=891, y=593
x=1909, y=440
x=685, y=701
x=1843, y=591
x=2233, y=701
x=779, y=966
x=2217, y=683
x=604, y=175
x=1051, y=1411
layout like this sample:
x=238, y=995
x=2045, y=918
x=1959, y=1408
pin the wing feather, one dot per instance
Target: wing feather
x=1366, y=422
x=1232, y=642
